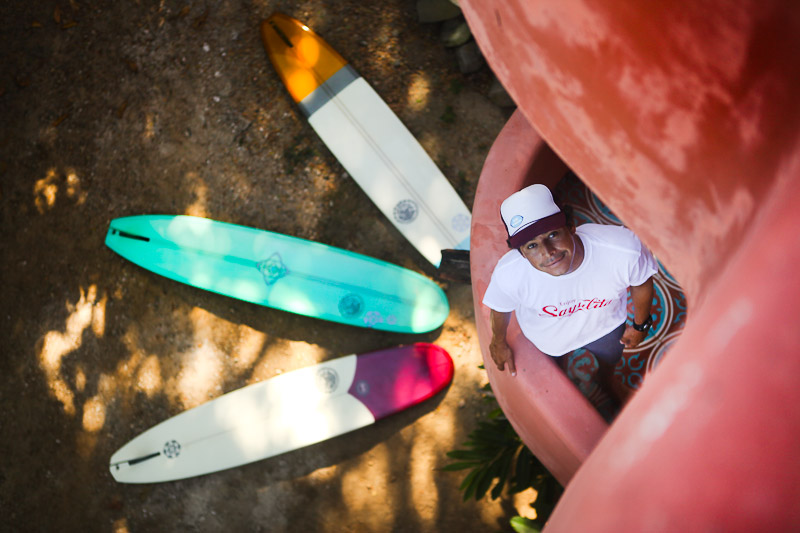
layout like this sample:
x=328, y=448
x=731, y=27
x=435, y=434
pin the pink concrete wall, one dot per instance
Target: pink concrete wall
x=681, y=112
x=685, y=119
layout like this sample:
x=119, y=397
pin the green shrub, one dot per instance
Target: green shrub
x=496, y=457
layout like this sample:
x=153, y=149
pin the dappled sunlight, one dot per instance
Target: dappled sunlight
x=88, y=313
x=384, y=36
x=460, y=338
x=248, y=348
x=365, y=490
x=120, y=526
x=324, y=474
x=422, y=466
x=94, y=414
x=523, y=501
x=198, y=208
x=404, y=468
x=80, y=379
x=432, y=145
x=149, y=127
x=201, y=376
x=419, y=88
x=303, y=354
x=126, y=369
x=99, y=317
x=203, y=369
x=73, y=188
x=58, y=344
x=46, y=190
x=148, y=378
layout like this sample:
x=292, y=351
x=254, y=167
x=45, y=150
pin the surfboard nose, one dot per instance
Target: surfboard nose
x=440, y=365
x=303, y=60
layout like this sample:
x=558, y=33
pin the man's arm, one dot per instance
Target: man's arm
x=498, y=347
x=642, y=296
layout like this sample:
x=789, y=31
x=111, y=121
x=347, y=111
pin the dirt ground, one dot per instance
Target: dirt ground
x=116, y=108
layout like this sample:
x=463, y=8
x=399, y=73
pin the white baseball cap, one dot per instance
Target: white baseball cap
x=530, y=212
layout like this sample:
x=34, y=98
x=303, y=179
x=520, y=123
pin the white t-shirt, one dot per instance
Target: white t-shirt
x=559, y=314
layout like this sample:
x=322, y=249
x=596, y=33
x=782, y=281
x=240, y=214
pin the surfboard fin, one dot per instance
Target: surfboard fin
x=454, y=266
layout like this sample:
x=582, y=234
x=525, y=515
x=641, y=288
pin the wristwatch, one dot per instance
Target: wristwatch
x=644, y=326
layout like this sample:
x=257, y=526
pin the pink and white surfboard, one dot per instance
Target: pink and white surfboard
x=284, y=413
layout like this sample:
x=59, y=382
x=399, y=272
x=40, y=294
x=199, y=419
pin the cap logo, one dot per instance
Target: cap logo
x=516, y=220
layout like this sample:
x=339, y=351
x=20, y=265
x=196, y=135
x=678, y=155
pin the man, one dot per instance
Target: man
x=568, y=286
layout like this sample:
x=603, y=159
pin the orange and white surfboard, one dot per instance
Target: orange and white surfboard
x=368, y=139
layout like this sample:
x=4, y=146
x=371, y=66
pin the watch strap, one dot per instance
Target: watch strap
x=644, y=326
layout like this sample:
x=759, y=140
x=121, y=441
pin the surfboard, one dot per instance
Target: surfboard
x=368, y=139
x=275, y=270
x=284, y=413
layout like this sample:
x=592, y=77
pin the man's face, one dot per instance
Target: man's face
x=551, y=252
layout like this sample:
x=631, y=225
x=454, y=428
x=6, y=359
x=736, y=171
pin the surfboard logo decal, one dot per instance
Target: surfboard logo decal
x=351, y=305
x=362, y=388
x=327, y=380
x=406, y=211
x=272, y=269
x=172, y=449
x=372, y=318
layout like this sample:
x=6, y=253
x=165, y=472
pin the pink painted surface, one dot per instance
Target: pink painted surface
x=684, y=119
x=388, y=381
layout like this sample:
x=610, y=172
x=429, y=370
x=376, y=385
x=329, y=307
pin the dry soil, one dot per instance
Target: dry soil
x=114, y=108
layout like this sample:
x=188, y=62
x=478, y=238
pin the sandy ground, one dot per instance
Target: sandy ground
x=115, y=108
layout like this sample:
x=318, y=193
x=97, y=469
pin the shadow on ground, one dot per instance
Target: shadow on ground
x=112, y=109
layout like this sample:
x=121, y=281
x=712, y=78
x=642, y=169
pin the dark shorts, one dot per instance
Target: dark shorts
x=608, y=349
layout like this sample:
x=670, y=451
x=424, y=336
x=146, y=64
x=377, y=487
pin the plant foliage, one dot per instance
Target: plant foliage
x=496, y=457
x=524, y=525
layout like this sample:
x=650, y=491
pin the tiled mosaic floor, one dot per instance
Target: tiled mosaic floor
x=669, y=310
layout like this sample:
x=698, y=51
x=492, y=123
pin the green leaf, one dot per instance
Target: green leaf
x=492, y=437
x=496, y=413
x=524, y=525
x=495, y=456
x=468, y=485
x=470, y=455
x=482, y=483
x=497, y=491
x=524, y=469
x=452, y=467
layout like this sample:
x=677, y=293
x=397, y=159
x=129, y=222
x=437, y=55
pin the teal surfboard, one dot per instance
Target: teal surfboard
x=287, y=273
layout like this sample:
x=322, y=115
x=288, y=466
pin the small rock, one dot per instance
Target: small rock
x=469, y=57
x=455, y=32
x=436, y=10
x=499, y=96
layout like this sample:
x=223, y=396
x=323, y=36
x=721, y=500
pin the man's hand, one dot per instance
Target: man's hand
x=498, y=347
x=501, y=354
x=632, y=337
x=642, y=296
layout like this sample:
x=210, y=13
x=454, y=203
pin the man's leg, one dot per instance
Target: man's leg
x=608, y=351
